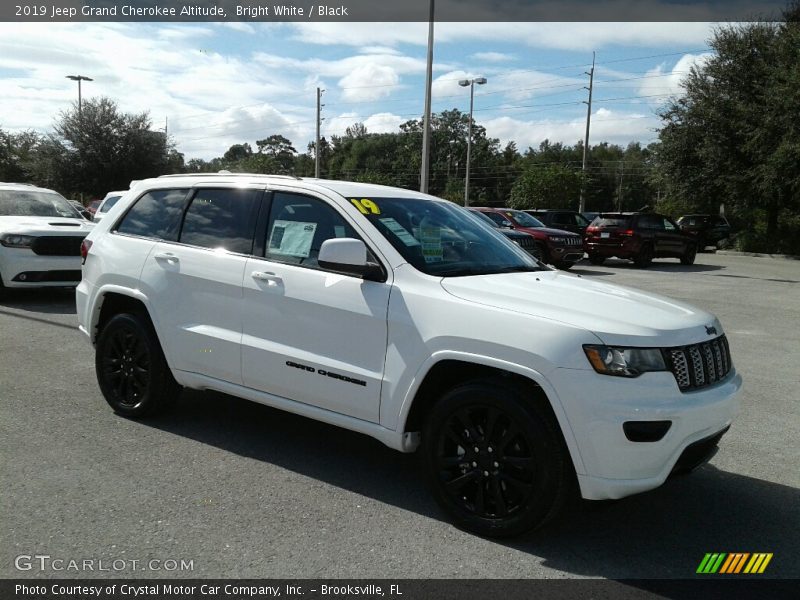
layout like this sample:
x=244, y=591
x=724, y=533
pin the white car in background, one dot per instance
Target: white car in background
x=40, y=238
x=107, y=204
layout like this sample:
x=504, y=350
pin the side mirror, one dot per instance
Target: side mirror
x=507, y=225
x=349, y=256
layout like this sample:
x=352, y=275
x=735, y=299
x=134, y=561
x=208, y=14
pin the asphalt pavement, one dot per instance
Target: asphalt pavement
x=242, y=490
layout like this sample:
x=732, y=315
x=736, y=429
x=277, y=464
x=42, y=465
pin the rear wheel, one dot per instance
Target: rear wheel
x=689, y=255
x=495, y=459
x=645, y=257
x=131, y=369
x=597, y=259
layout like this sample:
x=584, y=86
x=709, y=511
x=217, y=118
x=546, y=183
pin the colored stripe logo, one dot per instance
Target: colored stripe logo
x=733, y=563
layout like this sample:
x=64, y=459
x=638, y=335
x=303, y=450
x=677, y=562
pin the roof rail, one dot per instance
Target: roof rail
x=224, y=173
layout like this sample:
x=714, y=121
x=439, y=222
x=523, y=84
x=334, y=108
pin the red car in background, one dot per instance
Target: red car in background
x=94, y=205
x=557, y=247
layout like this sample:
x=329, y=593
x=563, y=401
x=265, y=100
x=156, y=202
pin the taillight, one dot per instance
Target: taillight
x=628, y=232
x=592, y=229
x=86, y=245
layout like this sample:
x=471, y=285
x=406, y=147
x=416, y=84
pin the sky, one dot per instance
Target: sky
x=219, y=84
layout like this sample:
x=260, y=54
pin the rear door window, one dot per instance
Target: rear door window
x=222, y=219
x=155, y=215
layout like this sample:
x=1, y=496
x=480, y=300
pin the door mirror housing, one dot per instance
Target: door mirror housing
x=349, y=256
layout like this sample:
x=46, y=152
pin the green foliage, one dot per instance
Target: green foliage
x=547, y=185
x=734, y=138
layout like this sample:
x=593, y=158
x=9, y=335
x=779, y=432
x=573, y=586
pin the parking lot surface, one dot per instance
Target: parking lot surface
x=242, y=490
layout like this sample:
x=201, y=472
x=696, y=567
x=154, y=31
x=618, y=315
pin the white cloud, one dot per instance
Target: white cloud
x=607, y=125
x=492, y=56
x=369, y=81
x=383, y=123
x=447, y=85
x=240, y=26
x=585, y=36
x=661, y=81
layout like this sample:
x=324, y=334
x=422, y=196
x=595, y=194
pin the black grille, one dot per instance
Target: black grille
x=66, y=245
x=700, y=365
x=526, y=242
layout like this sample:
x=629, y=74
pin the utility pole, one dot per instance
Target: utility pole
x=316, y=144
x=582, y=204
x=619, y=192
x=426, y=120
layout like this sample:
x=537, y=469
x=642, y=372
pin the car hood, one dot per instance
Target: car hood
x=45, y=225
x=617, y=315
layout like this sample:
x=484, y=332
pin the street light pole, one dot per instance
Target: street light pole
x=79, y=78
x=426, y=119
x=471, y=83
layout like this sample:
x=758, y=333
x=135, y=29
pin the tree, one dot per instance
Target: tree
x=734, y=136
x=548, y=185
x=102, y=149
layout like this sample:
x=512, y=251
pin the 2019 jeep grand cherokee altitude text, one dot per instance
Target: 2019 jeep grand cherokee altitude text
x=398, y=315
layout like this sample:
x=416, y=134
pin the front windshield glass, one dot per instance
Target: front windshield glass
x=523, y=219
x=30, y=203
x=442, y=239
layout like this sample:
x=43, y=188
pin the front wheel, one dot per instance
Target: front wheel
x=645, y=257
x=495, y=459
x=131, y=368
x=689, y=256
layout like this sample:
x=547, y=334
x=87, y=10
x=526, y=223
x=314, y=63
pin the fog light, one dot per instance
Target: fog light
x=23, y=277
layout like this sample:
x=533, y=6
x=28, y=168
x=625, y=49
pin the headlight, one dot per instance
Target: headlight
x=624, y=362
x=11, y=240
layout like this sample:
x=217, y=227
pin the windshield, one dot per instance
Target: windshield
x=611, y=221
x=484, y=219
x=523, y=219
x=442, y=239
x=29, y=203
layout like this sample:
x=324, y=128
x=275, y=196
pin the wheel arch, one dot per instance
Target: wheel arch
x=444, y=372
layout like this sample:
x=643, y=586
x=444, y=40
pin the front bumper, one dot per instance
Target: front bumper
x=597, y=406
x=22, y=268
x=567, y=254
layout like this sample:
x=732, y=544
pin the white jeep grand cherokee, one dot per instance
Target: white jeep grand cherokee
x=40, y=238
x=402, y=316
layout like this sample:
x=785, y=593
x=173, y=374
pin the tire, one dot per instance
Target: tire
x=3, y=288
x=539, y=252
x=597, y=259
x=689, y=255
x=520, y=477
x=645, y=257
x=128, y=341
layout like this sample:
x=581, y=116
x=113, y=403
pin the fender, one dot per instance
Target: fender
x=531, y=374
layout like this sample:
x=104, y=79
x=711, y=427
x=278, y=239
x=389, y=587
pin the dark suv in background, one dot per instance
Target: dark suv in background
x=560, y=248
x=525, y=241
x=639, y=237
x=568, y=220
x=708, y=230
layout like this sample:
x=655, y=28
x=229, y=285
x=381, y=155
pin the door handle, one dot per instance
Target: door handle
x=168, y=256
x=267, y=276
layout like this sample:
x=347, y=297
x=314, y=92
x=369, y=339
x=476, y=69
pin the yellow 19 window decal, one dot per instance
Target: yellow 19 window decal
x=366, y=206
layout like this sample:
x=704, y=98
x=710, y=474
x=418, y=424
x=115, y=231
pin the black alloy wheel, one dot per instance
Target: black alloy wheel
x=131, y=369
x=495, y=459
